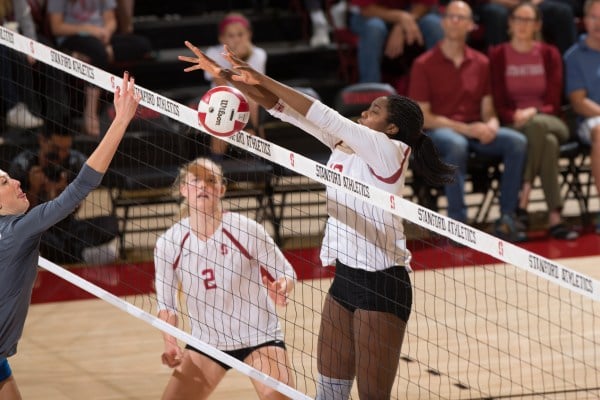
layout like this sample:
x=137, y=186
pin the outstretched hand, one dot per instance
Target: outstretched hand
x=126, y=99
x=201, y=61
x=242, y=71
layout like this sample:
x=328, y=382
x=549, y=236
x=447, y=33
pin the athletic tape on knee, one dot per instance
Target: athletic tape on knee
x=333, y=388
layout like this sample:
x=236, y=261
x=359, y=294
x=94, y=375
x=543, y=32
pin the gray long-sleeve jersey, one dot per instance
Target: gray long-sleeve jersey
x=19, y=251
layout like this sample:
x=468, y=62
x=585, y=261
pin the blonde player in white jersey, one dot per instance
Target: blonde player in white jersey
x=366, y=310
x=219, y=260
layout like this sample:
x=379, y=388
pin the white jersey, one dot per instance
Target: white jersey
x=358, y=234
x=257, y=59
x=227, y=303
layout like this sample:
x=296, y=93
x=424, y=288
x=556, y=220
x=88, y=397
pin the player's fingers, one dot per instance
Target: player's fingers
x=164, y=359
x=193, y=48
x=192, y=68
x=124, y=84
x=131, y=85
x=188, y=59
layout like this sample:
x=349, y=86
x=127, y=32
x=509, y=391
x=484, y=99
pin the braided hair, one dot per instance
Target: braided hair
x=408, y=117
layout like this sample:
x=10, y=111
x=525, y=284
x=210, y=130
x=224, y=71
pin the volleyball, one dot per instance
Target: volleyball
x=223, y=111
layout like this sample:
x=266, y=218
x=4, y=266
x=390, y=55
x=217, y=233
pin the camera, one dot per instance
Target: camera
x=53, y=170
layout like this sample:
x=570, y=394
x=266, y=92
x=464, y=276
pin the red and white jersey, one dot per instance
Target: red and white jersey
x=227, y=303
x=358, y=233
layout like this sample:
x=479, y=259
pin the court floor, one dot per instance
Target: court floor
x=87, y=349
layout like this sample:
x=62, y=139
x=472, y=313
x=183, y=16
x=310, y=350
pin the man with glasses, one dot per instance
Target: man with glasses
x=582, y=84
x=451, y=83
x=44, y=174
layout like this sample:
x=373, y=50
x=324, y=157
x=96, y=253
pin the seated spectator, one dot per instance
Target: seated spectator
x=16, y=67
x=235, y=31
x=86, y=29
x=582, y=81
x=558, y=16
x=451, y=83
x=44, y=173
x=527, y=88
x=387, y=28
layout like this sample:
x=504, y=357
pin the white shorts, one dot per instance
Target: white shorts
x=585, y=129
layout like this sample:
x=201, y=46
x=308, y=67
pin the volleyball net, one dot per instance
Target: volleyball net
x=490, y=320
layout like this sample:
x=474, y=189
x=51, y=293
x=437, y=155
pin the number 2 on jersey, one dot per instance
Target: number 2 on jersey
x=209, y=279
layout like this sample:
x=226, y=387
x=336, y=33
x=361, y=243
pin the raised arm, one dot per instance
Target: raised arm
x=245, y=78
x=42, y=217
x=202, y=62
x=259, y=87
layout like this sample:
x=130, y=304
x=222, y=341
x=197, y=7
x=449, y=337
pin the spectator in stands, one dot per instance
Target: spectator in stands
x=558, y=16
x=368, y=305
x=21, y=232
x=387, y=28
x=527, y=89
x=235, y=32
x=451, y=83
x=582, y=63
x=320, y=26
x=44, y=174
x=86, y=29
x=16, y=88
x=229, y=307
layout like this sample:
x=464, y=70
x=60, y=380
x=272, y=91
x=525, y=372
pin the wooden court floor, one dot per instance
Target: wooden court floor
x=90, y=350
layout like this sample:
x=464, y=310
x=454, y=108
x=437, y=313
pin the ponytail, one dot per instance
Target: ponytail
x=427, y=164
x=408, y=117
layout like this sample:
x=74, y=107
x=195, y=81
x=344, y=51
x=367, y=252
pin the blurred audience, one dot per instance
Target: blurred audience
x=320, y=26
x=44, y=173
x=386, y=28
x=86, y=29
x=451, y=83
x=527, y=89
x=15, y=70
x=582, y=81
x=235, y=31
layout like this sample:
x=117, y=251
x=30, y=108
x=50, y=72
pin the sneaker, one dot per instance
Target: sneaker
x=523, y=218
x=320, y=37
x=507, y=228
x=20, y=117
x=562, y=232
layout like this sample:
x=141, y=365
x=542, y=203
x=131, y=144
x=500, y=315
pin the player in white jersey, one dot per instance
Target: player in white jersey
x=366, y=310
x=232, y=274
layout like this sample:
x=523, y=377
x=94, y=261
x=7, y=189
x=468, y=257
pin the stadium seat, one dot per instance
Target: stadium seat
x=353, y=99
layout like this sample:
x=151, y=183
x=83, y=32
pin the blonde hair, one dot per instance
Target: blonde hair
x=184, y=208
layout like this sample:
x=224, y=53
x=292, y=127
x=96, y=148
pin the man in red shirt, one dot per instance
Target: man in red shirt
x=386, y=27
x=451, y=83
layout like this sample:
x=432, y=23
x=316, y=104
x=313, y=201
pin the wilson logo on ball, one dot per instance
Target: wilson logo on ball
x=223, y=111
